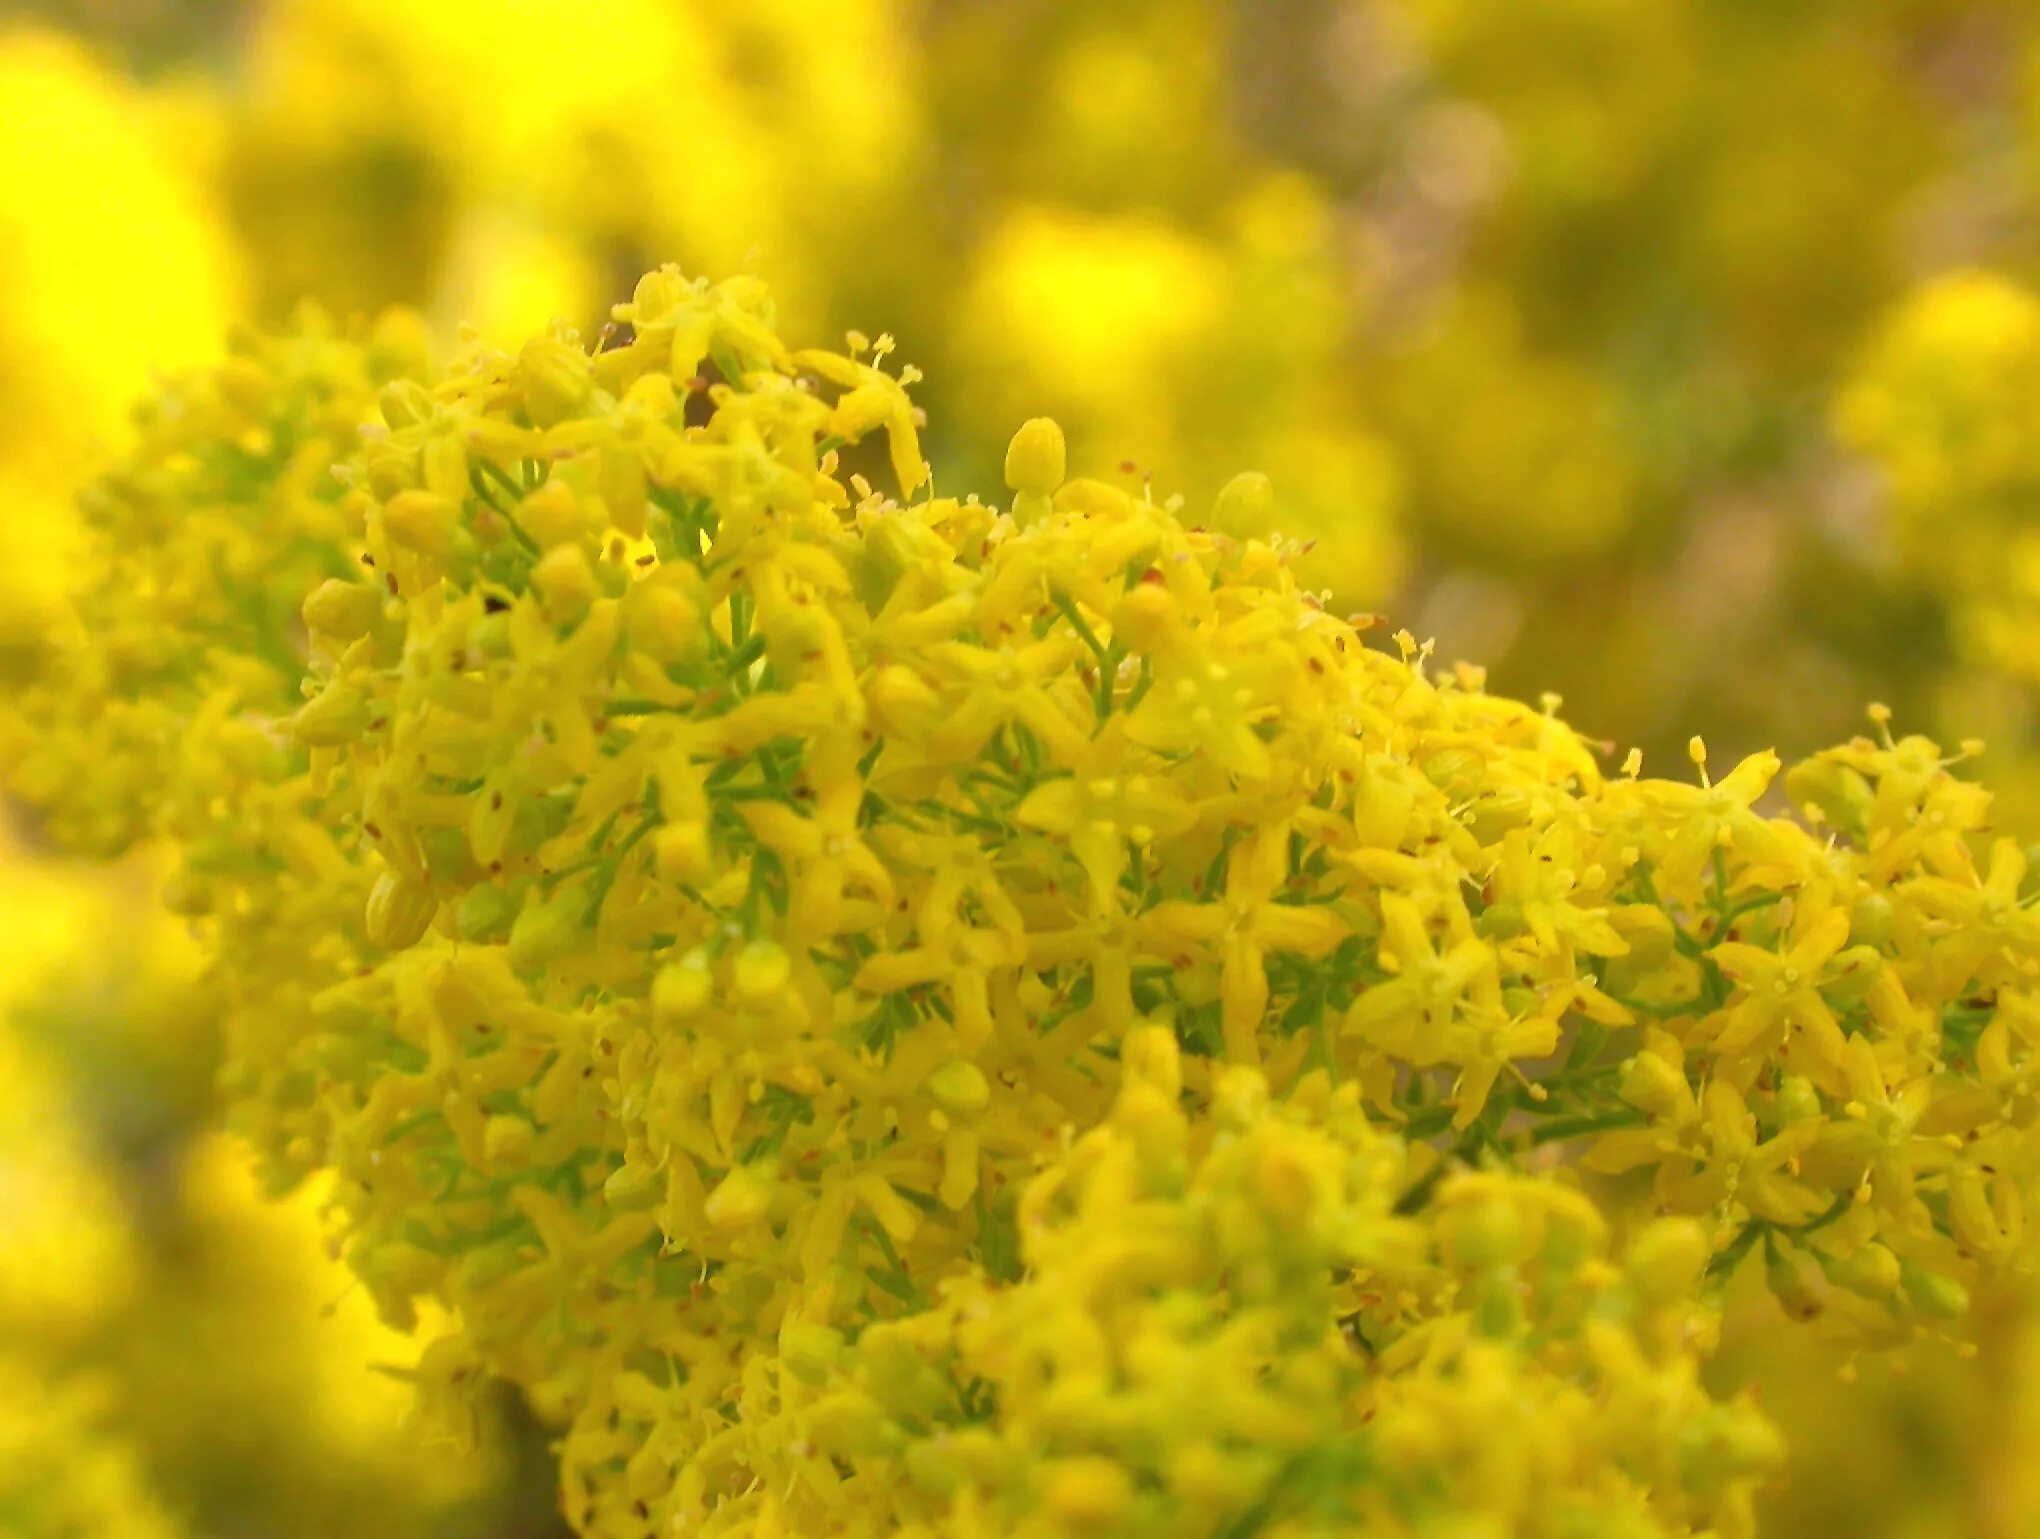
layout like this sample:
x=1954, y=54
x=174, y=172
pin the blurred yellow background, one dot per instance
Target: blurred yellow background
x=1675, y=357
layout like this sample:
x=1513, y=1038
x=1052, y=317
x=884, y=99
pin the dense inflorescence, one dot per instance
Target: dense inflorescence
x=888, y=1013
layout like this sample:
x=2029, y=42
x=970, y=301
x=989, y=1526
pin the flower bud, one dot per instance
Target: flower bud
x=1932, y=1294
x=1245, y=508
x=389, y=471
x=332, y=719
x=934, y=1467
x=342, y=610
x=555, y=379
x=1853, y=971
x=849, y=1425
x=548, y=929
x=1872, y=1270
x=490, y=635
x=396, y=1272
x=959, y=1087
x=1792, y=1285
x=1483, y=1234
x=422, y=521
x=681, y=990
x=742, y=1198
x=663, y=621
x=551, y=515
x=1036, y=459
x=486, y=914
x=1839, y=794
x=1145, y=616
x=760, y=974
x=405, y=403
x=1653, y=1084
x=810, y=1352
x=1666, y=1260
x=1454, y=768
x=1155, y=1123
x=631, y=1187
x=1500, y=920
x=399, y=911
x=1871, y=920
x=507, y=1139
x=1795, y=1100
x=565, y=581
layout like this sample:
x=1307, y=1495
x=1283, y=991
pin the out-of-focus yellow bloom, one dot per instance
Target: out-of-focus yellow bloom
x=1946, y=402
x=62, y=1473
x=468, y=155
x=1515, y=459
x=1184, y=350
x=139, y=1252
x=1106, y=313
x=1945, y=409
x=102, y=291
x=1943, y=406
x=66, y=1255
x=254, y=1313
x=113, y=265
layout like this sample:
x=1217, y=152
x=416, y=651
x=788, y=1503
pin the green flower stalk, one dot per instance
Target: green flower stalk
x=888, y=1013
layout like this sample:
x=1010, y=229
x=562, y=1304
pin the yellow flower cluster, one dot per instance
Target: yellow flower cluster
x=1943, y=403
x=887, y=1012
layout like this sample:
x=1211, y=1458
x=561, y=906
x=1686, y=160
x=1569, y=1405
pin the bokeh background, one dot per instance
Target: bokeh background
x=1677, y=358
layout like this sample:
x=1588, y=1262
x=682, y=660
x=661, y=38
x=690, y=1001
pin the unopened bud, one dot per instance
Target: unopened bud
x=1246, y=506
x=1666, y=1259
x=681, y=990
x=959, y=1087
x=399, y=911
x=342, y=610
x=1036, y=459
x=423, y=521
x=332, y=719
